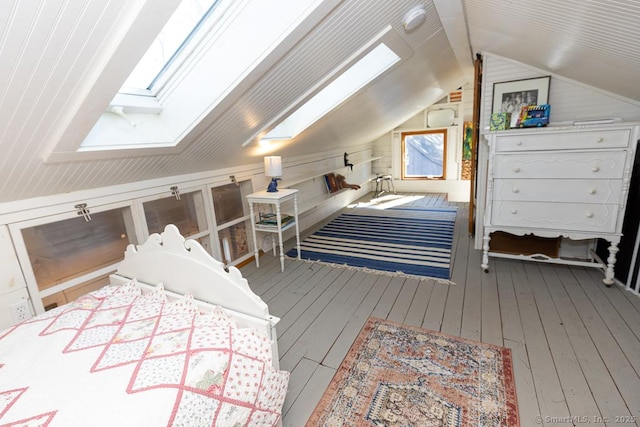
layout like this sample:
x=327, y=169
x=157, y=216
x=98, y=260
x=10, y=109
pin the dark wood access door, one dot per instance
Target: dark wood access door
x=477, y=92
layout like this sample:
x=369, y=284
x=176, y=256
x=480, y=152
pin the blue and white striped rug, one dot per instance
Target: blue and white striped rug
x=406, y=241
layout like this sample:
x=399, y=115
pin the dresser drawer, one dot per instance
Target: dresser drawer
x=563, y=141
x=559, y=190
x=555, y=216
x=585, y=165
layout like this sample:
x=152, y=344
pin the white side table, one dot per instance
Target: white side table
x=275, y=199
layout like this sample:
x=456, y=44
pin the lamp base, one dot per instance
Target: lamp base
x=273, y=185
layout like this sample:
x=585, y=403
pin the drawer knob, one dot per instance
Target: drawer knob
x=514, y=211
x=593, y=191
x=519, y=143
x=596, y=168
x=515, y=190
x=599, y=139
x=516, y=169
x=589, y=215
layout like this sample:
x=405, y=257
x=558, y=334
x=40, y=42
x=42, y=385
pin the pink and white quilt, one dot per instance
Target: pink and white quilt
x=116, y=357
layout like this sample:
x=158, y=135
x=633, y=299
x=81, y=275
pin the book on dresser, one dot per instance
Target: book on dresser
x=570, y=182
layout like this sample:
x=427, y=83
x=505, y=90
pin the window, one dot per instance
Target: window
x=194, y=79
x=374, y=63
x=424, y=154
x=174, y=37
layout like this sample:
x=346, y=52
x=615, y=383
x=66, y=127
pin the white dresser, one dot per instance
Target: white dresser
x=559, y=181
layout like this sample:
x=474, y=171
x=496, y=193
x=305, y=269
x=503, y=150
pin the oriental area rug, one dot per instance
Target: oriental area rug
x=406, y=241
x=398, y=375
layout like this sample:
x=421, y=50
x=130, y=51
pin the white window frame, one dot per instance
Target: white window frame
x=403, y=171
x=187, y=98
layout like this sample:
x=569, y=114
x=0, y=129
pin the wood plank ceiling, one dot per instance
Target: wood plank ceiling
x=61, y=62
x=594, y=42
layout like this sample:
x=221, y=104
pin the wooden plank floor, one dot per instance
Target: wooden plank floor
x=575, y=343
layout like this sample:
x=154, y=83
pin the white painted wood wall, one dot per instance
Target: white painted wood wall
x=569, y=101
x=13, y=287
x=388, y=147
x=303, y=172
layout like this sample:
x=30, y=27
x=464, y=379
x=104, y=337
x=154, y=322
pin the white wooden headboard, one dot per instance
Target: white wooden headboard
x=184, y=266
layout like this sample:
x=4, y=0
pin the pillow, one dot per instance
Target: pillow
x=129, y=288
x=103, y=292
x=156, y=294
x=184, y=305
x=216, y=317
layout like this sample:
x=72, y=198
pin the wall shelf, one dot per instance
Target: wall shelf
x=308, y=205
x=300, y=179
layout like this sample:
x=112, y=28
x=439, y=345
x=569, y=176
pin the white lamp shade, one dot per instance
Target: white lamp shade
x=273, y=166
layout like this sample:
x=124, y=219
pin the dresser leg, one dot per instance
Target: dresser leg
x=485, y=252
x=611, y=261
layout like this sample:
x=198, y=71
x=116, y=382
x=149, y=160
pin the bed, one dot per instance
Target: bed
x=174, y=340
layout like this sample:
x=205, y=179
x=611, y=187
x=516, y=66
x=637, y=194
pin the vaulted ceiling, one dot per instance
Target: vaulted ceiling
x=61, y=63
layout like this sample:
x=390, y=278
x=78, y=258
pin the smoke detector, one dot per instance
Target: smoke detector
x=414, y=18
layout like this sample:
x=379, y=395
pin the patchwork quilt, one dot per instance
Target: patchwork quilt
x=116, y=357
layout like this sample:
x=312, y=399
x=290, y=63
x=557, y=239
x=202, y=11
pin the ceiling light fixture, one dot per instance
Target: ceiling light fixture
x=414, y=18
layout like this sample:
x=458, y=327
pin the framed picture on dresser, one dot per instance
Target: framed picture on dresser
x=511, y=96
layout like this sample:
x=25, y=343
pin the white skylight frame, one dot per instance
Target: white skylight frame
x=376, y=62
x=388, y=36
x=190, y=20
x=152, y=125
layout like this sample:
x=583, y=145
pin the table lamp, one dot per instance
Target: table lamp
x=273, y=168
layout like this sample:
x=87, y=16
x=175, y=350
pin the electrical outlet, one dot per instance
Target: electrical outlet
x=21, y=311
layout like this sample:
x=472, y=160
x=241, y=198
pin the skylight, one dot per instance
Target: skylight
x=232, y=45
x=374, y=63
x=175, y=35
